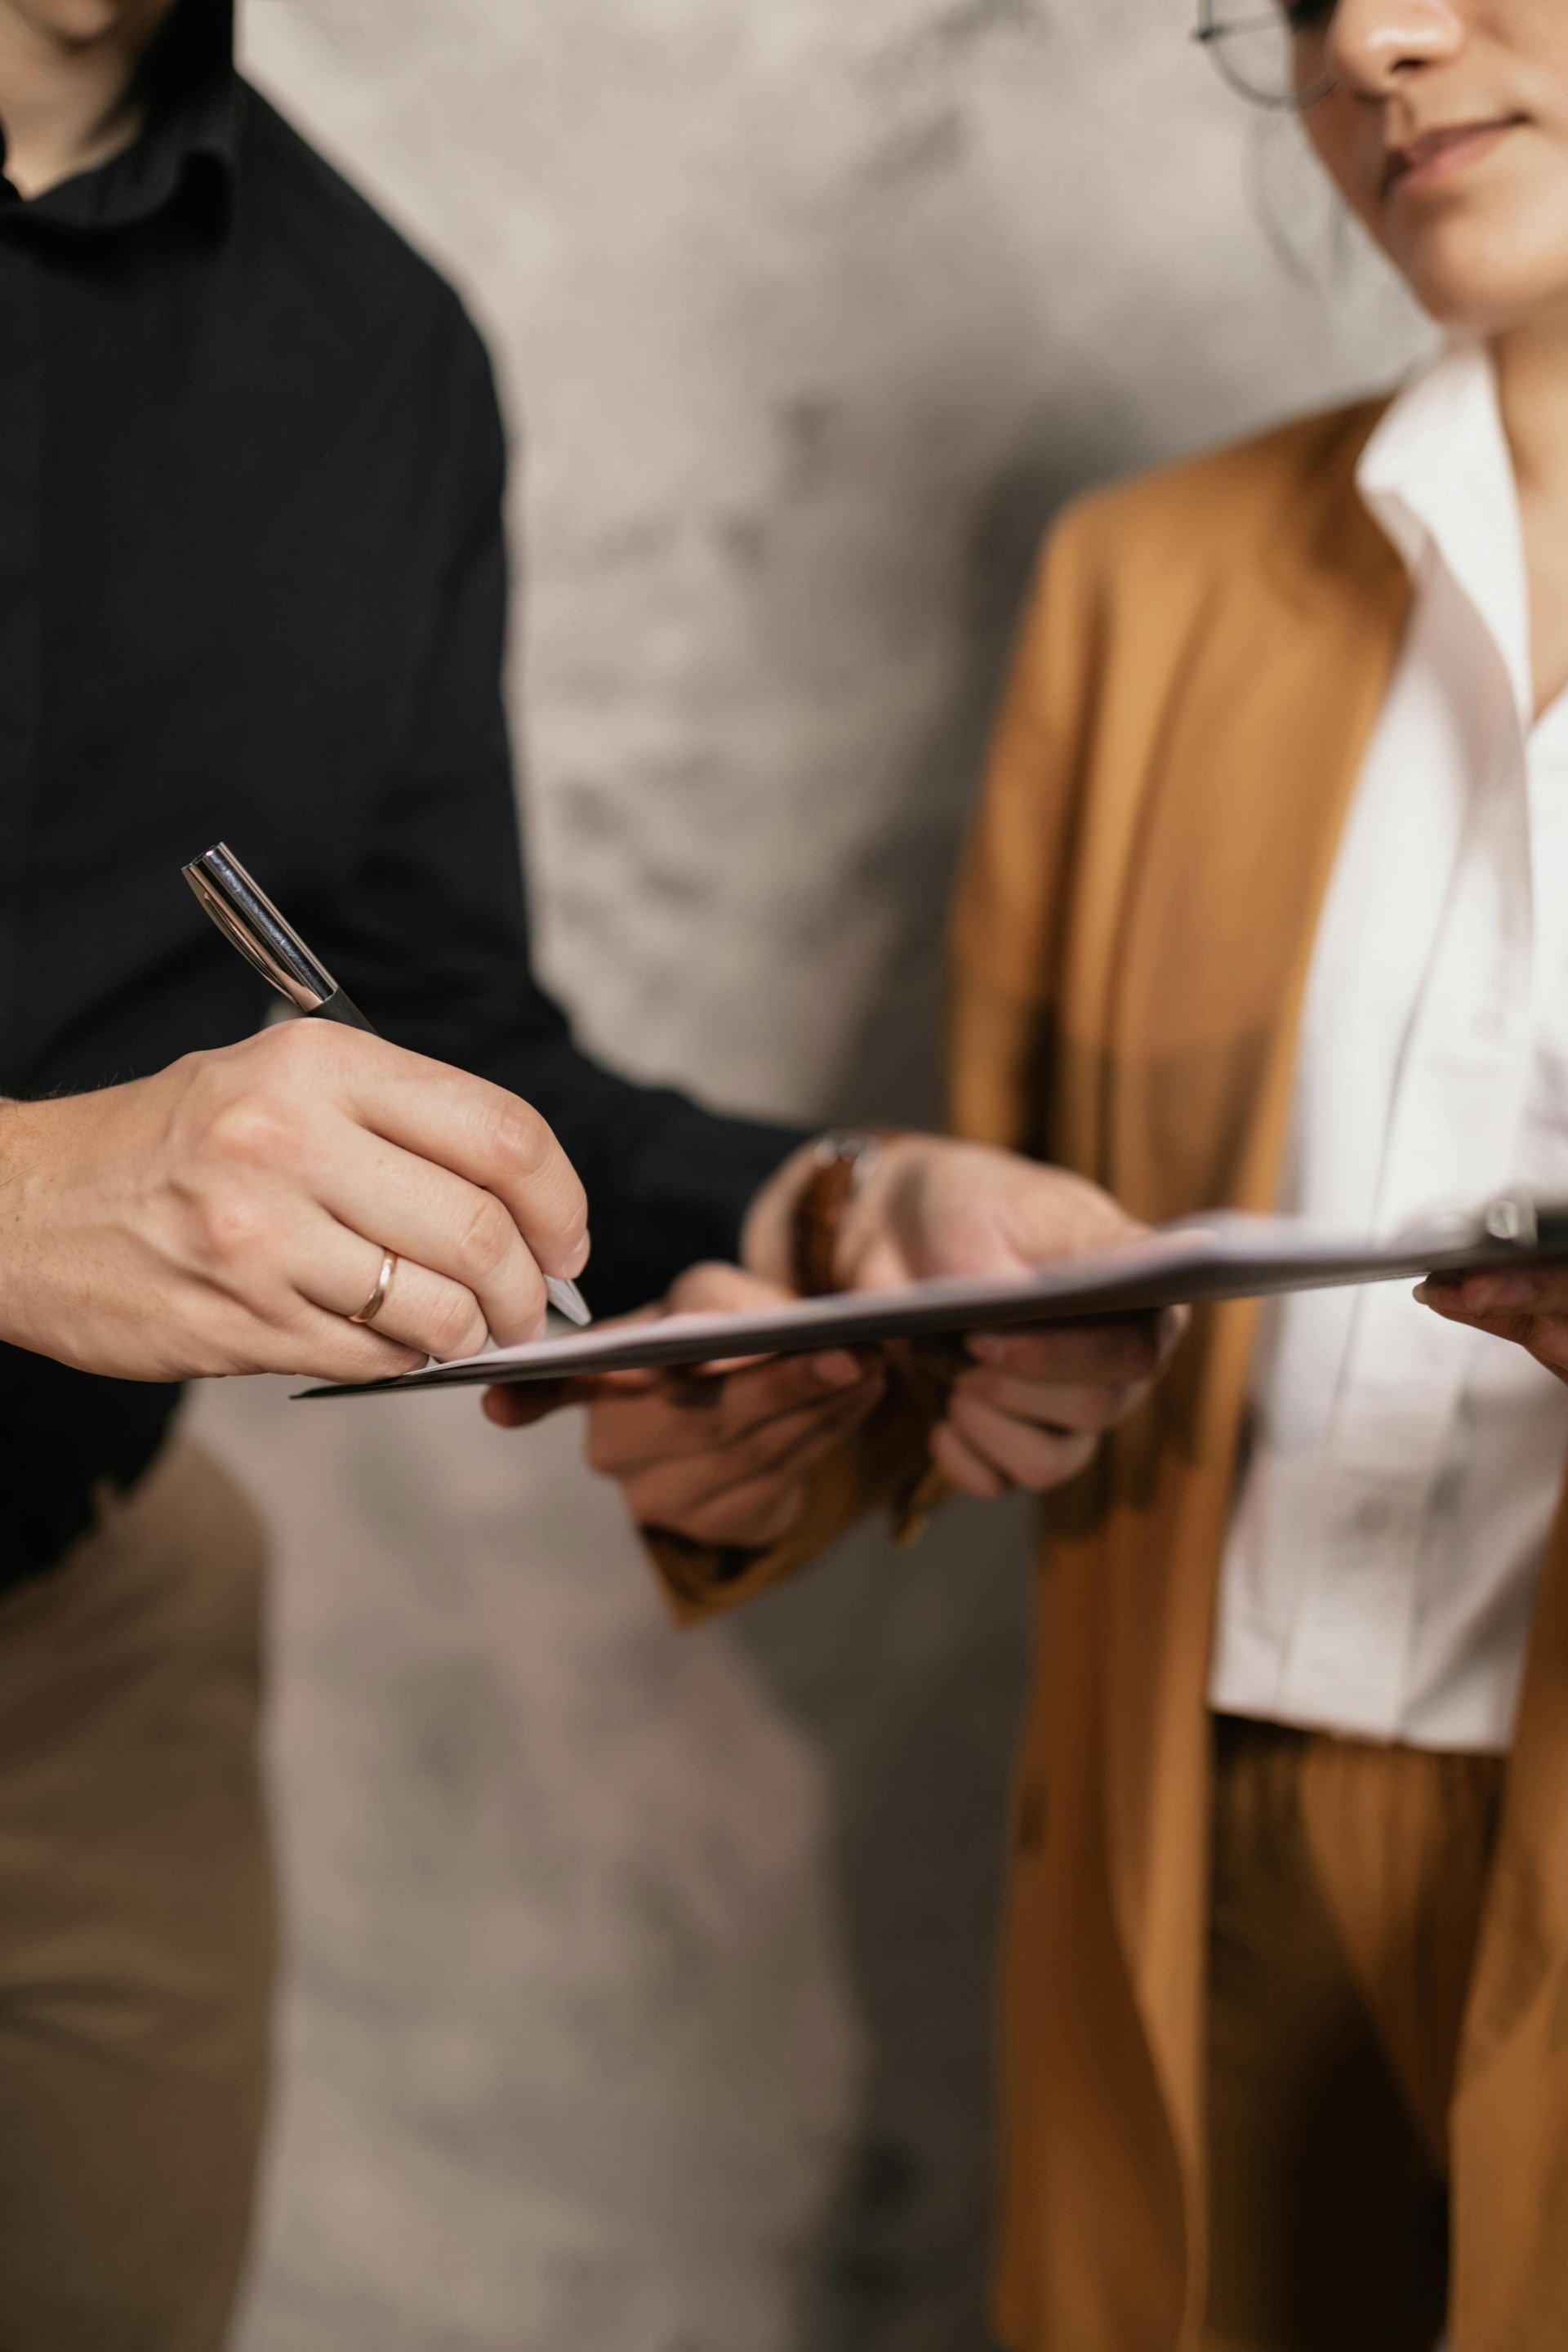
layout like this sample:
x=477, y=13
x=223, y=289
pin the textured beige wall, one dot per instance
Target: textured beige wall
x=639, y=1991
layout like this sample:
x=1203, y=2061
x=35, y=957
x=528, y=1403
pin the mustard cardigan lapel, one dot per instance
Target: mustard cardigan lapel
x=1266, y=715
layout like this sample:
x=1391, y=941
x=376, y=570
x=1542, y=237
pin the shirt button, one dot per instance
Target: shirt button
x=1373, y=1517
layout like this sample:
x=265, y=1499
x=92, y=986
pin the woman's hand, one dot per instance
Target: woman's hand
x=231, y=1214
x=723, y=1456
x=1529, y=1308
x=1029, y=1410
x=726, y=1456
x=927, y=1205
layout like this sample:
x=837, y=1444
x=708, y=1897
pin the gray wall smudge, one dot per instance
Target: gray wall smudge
x=639, y=1989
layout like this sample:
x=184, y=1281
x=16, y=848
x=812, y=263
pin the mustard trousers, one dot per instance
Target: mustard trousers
x=136, y=1924
x=1347, y=1888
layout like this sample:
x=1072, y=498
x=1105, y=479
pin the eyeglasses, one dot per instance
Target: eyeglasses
x=1275, y=56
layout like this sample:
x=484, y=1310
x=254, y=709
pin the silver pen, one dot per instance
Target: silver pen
x=250, y=922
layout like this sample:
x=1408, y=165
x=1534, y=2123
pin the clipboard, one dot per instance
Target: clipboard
x=1198, y=1262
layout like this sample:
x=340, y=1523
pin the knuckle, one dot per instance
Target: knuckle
x=299, y=1044
x=755, y=1452
x=709, y=1285
x=487, y=1238
x=230, y=1227
x=527, y=1315
x=788, y=1508
x=739, y=1429
x=751, y=1515
x=1168, y=1334
x=793, y=1382
x=797, y=1382
x=258, y=1128
x=967, y=1472
x=454, y=1324
x=520, y=1140
x=1069, y=1456
x=1115, y=1357
x=1102, y=1408
x=574, y=1214
x=969, y=1416
x=823, y=1440
x=525, y=1148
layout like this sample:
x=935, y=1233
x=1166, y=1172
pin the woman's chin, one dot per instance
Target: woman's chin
x=1481, y=304
x=1484, y=288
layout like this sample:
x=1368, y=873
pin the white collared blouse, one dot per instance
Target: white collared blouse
x=1402, y=1473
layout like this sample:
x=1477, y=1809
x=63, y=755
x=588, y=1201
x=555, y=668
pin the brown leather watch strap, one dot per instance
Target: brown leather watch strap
x=815, y=1228
x=820, y=1209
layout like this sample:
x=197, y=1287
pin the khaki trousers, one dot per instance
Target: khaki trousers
x=1348, y=1882
x=136, y=1924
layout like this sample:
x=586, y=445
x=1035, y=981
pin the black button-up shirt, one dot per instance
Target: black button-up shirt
x=252, y=587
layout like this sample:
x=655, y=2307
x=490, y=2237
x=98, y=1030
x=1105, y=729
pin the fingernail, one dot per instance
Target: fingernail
x=837, y=1372
x=581, y=1254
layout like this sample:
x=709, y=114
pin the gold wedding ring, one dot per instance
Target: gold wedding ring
x=377, y=1299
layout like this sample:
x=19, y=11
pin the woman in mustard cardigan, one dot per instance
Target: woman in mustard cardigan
x=1267, y=905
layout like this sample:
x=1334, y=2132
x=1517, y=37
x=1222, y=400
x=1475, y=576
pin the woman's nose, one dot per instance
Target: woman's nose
x=1374, y=46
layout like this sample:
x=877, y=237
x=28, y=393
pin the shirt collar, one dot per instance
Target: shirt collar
x=190, y=142
x=1437, y=474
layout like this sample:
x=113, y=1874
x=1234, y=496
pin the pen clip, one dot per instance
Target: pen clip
x=250, y=922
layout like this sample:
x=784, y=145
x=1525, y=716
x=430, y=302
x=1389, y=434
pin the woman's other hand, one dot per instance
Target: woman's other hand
x=723, y=1456
x=1031, y=1408
x=1529, y=1308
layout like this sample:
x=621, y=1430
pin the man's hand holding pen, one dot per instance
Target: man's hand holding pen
x=235, y=1212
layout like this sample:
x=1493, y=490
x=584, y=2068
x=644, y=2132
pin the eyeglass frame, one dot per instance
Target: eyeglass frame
x=1210, y=36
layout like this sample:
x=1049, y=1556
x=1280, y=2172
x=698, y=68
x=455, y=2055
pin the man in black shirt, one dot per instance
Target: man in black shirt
x=252, y=585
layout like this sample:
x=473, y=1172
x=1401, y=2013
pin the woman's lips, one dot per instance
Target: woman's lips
x=1431, y=161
